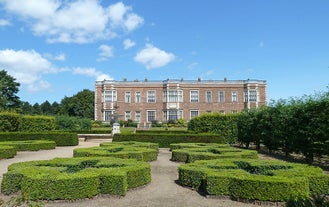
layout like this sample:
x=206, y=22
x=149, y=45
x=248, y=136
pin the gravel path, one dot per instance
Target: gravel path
x=161, y=192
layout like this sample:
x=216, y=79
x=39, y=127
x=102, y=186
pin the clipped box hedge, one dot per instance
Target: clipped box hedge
x=254, y=179
x=61, y=138
x=7, y=151
x=190, y=152
x=30, y=145
x=135, y=150
x=164, y=140
x=74, y=178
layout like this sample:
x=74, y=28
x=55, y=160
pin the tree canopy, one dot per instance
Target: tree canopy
x=8, y=90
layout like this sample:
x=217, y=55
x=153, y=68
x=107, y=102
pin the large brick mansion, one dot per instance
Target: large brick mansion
x=146, y=101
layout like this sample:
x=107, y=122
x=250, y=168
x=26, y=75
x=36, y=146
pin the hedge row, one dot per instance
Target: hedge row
x=74, y=178
x=254, y=179
x=223, y=124
x=130, y=150
x=11, y=122
x=61, y=138
x=293, y=126
x=164, y=140
x=30, y=145
x=9, y=149
x=7, y=152
x=162, y=132
x=192, y=152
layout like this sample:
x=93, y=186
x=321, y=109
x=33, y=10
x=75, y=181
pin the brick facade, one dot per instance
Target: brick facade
x=144, y=101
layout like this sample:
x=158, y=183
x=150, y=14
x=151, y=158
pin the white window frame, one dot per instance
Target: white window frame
x=138, y=116
x=173, y=96
x=194, y=96
x=148, y=115
x=194, y=113
x=127, y=97
x=221, y=96
x=234, y=96
x=127, y=115
x=208, y=96
x=138, y=97
x=252, y=95
x=151, y=96
x=110, y=96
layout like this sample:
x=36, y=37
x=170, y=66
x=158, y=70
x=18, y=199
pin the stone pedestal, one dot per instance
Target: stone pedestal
x=116, y=128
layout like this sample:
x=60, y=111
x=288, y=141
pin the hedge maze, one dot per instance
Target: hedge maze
x=136, y=150
x=9, y=149
x=190, y=152
x=75, y=178
x=254, y=179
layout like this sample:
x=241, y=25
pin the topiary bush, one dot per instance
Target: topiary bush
x=30, y=145
x=9, y=121
x=136, y=150
x=254, y=179
x=61, y=138
x=7, y=152
x=190, y=152
x=36, y=123
x=74, y=178
x=164, y=140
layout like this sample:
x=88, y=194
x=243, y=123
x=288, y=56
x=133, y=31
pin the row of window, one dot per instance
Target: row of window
x=151, y=115
x=177, y=96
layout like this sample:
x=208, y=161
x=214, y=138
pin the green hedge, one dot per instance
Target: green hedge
x=223, y=124
x=197, y=151
x=9, y=121
x=162, y=132
x=36, y=123
x=30, y=145
x=164, y=140
x=7, y=152
x=139, y=151
x=254, y=179
x=74, y=178
x=61, y=138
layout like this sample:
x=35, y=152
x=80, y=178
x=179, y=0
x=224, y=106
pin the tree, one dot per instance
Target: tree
x=8, y=90
x=46, y=108
x=80, y=104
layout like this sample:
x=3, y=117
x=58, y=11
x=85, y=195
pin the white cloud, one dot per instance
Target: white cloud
x=92, y=72
x=4, y=22
x=79, y=21
x=105, y=52
x=153, y=57
x=27, y=66
x=128, y=43
x=59, y=57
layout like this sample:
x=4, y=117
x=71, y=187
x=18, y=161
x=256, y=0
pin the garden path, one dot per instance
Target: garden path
x=161, y=192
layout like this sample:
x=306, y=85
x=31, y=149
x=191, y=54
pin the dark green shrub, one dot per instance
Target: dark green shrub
x=74, y=178
x=191, y=152
x=7, y=151
x=133, y=150
x=9, y=121
x=36, y=123
x=30, y=145
x=225, y=125
x=61, y=138
x=164, y=140
x=72, y=123
x=254, y=179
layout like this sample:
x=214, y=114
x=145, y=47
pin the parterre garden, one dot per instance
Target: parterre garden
x=212, y=165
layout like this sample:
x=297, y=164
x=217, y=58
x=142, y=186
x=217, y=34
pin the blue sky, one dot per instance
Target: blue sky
x=56, y=48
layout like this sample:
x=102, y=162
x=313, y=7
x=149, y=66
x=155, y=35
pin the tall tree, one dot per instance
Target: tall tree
x=8, y=90
x=80, y=104
x=46, y=108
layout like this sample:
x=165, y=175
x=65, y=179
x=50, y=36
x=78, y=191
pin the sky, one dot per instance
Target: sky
x=57, y=48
